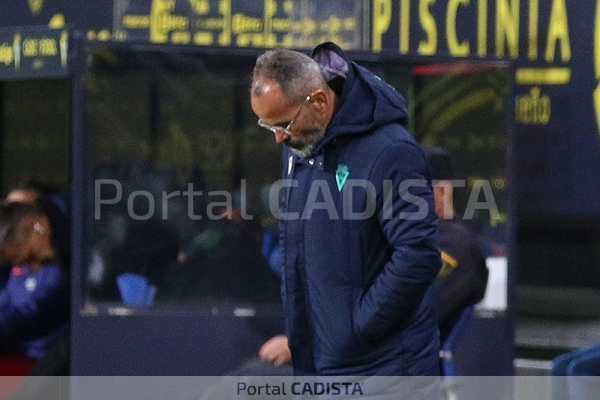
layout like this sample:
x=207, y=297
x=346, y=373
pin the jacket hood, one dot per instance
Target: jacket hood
x=366, y=102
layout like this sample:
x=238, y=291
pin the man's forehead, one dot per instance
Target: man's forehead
x=268, y=101
x=262, y=85
x=269, y=88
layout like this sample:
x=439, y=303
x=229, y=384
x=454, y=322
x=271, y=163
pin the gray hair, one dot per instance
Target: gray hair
x=297, y=74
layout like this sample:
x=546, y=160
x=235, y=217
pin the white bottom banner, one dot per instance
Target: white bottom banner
x=289, y=387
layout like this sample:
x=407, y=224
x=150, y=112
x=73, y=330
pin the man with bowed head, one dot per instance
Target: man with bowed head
x=356, y=290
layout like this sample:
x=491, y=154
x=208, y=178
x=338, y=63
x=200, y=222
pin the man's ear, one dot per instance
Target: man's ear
x=321, y=101
x=319, y=98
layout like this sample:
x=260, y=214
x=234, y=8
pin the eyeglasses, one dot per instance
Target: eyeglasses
x=276, y=129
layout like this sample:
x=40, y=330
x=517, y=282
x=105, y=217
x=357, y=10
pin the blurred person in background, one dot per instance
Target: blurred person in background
x=463, y=278
x=55, y=206
x=35, y=304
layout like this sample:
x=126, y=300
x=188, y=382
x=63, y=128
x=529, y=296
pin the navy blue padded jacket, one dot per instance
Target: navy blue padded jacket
x=358, y=238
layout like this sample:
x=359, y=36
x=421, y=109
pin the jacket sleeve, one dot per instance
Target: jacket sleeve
x=46, y=309
x=406, y=215
x=466, y=284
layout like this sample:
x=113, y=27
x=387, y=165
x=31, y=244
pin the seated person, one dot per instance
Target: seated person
x=25, y=192
x=463, y=277
x=35, y=304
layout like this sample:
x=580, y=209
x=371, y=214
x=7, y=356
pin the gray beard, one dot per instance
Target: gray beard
x=304, y=152
x=308, y=144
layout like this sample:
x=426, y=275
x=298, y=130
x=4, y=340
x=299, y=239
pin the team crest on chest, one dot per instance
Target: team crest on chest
x=341, y=174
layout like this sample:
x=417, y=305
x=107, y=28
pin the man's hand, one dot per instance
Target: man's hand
x=276, y=351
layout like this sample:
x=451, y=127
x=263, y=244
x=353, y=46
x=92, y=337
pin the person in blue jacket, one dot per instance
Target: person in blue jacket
x=35, y=304
x=357, y=217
